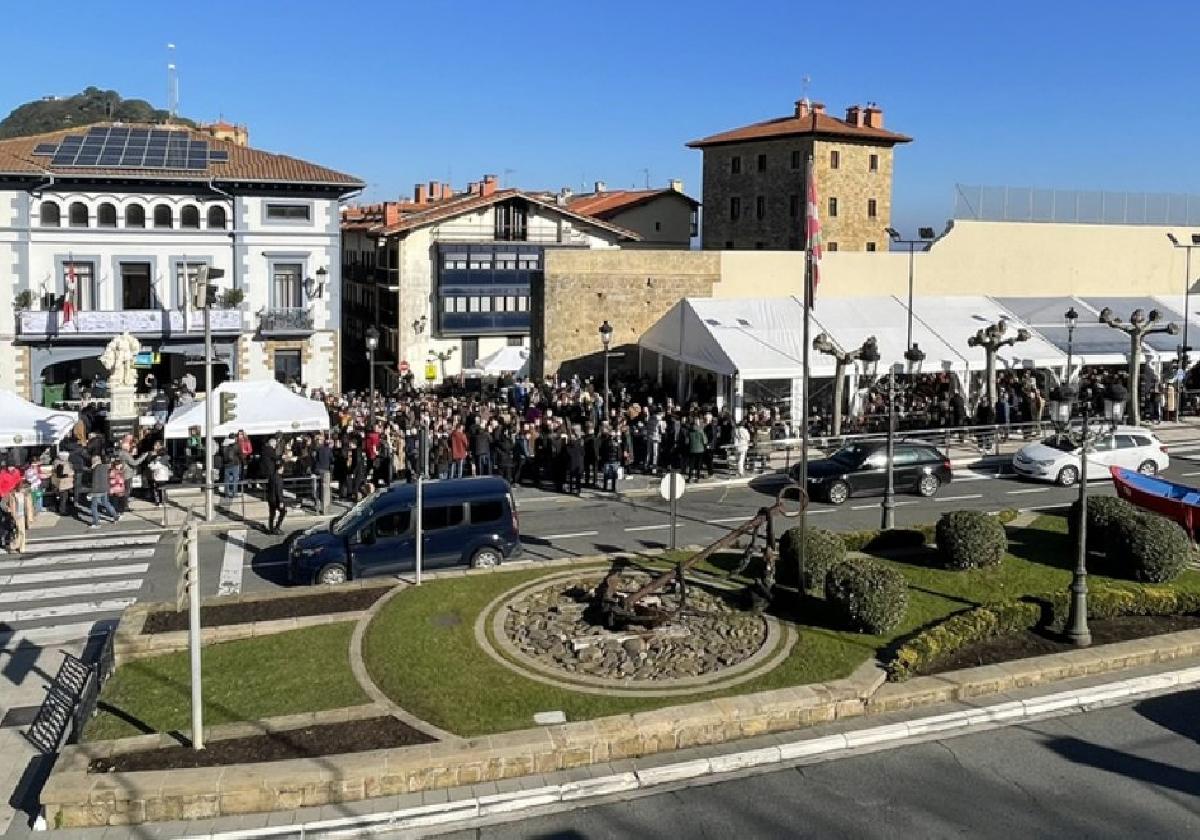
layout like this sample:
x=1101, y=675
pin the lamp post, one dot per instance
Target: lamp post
x=926, y=235
x=1140, y=325
x=606, y=333
x=914, y=356
x=1082, y=437
x=202, y=295
x=823, y=344
x=1184, y=349
x=372, y=343
x=1070, y=316
x=992, y=339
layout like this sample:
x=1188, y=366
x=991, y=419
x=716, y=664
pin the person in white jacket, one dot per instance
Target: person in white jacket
x=741, y=445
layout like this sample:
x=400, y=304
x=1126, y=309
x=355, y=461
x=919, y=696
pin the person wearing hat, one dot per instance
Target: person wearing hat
x=62, y=479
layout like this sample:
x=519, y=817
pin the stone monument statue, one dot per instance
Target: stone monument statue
x=118, y=357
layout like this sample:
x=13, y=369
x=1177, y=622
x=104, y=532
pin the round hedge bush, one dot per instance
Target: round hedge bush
x=1149, y=548
x=867, y=595
x=822, y=550
x=1104, y=512
x=970, y=539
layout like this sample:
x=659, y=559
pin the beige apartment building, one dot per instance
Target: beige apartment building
x=754, y=180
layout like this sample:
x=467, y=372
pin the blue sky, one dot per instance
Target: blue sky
x=1064, y=94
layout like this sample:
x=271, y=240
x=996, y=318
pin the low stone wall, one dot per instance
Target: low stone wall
x=72, y=797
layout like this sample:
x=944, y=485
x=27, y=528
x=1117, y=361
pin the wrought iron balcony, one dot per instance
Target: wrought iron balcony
x=39, y=325
x=298, y=321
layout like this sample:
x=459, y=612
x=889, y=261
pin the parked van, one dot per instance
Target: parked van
x=467, y=521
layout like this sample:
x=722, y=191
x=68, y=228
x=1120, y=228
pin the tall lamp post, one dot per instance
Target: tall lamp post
x=823, y=344
x=1071, y=317
x=1184, y=349
x=1140, y=325
x=372, y=344
x=202, y=298
x=606, y=334
x=914, y=357
x=926, y=235
x=1082, y=436
x=992, y=339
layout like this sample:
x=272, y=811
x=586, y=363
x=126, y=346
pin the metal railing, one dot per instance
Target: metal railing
x=284, y=321
x=1031, y=204
x=303, y=488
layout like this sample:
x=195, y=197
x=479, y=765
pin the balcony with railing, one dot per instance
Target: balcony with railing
x=42, y=324
x=285, y=322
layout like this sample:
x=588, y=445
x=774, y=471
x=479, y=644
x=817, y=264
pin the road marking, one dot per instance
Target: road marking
x=730, y=519
x=51, y=577
x=958, y=498
x=57, y=634
x=1189, y=474
x=70, y=591
x=43, y=560
x=877, y=505
x=230, y=582
x=648, y=527
x=115, y=541
x=1028, y=490
x=67, y=609
x=970, y=476
x=570, y=536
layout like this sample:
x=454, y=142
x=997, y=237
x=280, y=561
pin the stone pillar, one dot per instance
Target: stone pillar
x=739, y=398
x=123, y=406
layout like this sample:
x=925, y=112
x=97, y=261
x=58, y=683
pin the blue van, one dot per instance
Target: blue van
x=467, y=521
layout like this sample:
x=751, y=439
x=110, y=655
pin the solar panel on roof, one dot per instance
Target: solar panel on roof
x=120, y=147
x=45, y=148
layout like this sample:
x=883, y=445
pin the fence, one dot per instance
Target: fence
x=1103, y=207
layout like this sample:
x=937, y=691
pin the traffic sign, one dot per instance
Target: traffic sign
x=403, y=366
x=671, y=486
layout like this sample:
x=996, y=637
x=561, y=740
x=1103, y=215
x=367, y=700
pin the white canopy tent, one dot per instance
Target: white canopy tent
x=262, y=408
x=23, y=423
x=507, y=359
x=958, y=317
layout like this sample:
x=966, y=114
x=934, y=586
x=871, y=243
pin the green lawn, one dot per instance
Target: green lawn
x=421, y=648
x=286, y=673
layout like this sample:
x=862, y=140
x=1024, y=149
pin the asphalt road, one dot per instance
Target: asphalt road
x=1130, y=771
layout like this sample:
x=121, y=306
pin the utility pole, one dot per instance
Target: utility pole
x=202, y=299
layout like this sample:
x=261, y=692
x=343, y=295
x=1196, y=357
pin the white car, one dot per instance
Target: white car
x=1057, y=458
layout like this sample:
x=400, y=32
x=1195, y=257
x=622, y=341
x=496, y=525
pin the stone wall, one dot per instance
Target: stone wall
x=631, y=289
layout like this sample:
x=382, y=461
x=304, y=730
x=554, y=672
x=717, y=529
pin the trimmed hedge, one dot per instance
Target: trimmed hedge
x=1104, y=512
x=867, y=595
x=1148, y=547
x=932, y=646
x=822, y=550
x=970, y=539
x=890, y=540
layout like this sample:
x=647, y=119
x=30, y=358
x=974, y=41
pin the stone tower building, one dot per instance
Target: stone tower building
x=754, y=191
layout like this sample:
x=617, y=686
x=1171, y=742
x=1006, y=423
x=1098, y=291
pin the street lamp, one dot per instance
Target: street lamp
x=316, y=288
x=926, y=234
x=202, y=298
x=606, y=333
x=1082, y=436
x=992, y=339
x=1140, y=325
x=823, y=344
x=1184, y=349
x=372, y=344
x=1071, y=316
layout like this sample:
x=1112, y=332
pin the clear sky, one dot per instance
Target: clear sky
x=1053, y=93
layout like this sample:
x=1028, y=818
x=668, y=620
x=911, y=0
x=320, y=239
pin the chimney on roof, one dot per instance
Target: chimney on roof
x=488, y=186
x=564, y=196
x=873, y=116
x=435, y=191
x=855, y=115
x=391, y=213
x=818, y=107
x=601, y=187
x=473, y=188
x=676, y=184
x=802, y=108
x=420, y=196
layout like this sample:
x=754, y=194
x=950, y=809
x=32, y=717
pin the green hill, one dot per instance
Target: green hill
x=91, y=106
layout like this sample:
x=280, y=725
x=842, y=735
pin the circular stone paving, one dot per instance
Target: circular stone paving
x=548, y=628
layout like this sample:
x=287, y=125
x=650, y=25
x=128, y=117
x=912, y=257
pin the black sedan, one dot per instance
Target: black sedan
x=860, y=469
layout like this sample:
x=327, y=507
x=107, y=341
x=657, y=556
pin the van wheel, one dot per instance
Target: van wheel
x=486, y=558
x=332, y=574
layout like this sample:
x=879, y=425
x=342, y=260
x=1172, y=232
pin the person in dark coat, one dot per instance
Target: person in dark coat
x=591, y=454
x=575, y=456
x=504, y=454
x=275, y=505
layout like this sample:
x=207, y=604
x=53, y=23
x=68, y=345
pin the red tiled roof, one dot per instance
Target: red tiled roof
x=244, y=164
x=605, y=205
x=813, y=123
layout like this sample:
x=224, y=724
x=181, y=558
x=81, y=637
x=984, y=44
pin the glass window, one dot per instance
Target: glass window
x=79, y=284
x=78, y=214
x=189, y=217
x=289, y=212
x=488, y=511
x=832, y=206
x=872, y=208
x=485, y=304
x=522, y=304
x=436, y=518
x=797, y=159
x=833, y=246
x=835, y=159
x=393, y=524
x=515, y=341
x=793, y=205
x=528, y=262
x=286, y=286
x=287, y=367
x=1128, y=442
x=735, y=208
x=135, y=216
x=735, y=165
x=762, y=163
x=510, y=303
x=472, y=304
x=163, y=218
x=870, y=246
x=106, y=215
x=51, y=215
x=760, y=206
x=448, y=304
x=906, y=456
x=216, y=217
x=873, y=164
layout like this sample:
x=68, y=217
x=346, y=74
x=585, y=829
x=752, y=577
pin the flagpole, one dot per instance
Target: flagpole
x=808, y=301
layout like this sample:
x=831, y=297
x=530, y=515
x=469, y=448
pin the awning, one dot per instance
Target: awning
x=1093, y=343
x=508, y=359
x=955, y=318
x=23, y=423
x=260, y=408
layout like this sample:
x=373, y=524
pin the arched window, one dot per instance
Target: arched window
x=106, y=215
x=51, y=215
x=135, y=216
x=189, y=217
x=78, y=214
x=162, y=217
x=216, y=216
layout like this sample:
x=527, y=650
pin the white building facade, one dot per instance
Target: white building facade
x=93, y=216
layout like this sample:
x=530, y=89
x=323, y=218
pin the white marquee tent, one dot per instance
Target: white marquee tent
x=262, y=408
x=23, y=423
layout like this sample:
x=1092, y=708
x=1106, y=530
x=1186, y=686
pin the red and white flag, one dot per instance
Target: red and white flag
x=68, y=305
x=812, y=233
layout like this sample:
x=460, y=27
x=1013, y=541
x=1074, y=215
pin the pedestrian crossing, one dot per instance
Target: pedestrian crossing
x=64, y=589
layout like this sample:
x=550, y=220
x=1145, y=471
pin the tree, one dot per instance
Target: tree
x=83, y=109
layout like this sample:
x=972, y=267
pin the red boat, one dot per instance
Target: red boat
x=1177, y=502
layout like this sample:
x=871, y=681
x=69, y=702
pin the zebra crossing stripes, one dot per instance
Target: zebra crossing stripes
x=69, y=588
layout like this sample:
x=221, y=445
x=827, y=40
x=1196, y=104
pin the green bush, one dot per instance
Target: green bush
x=868, y=595
x=1104, y=512
x=822, y=550
x=1007, y=515
x=1148, y=548
x=970, y=539
x=893, y=539
x=926, y=650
